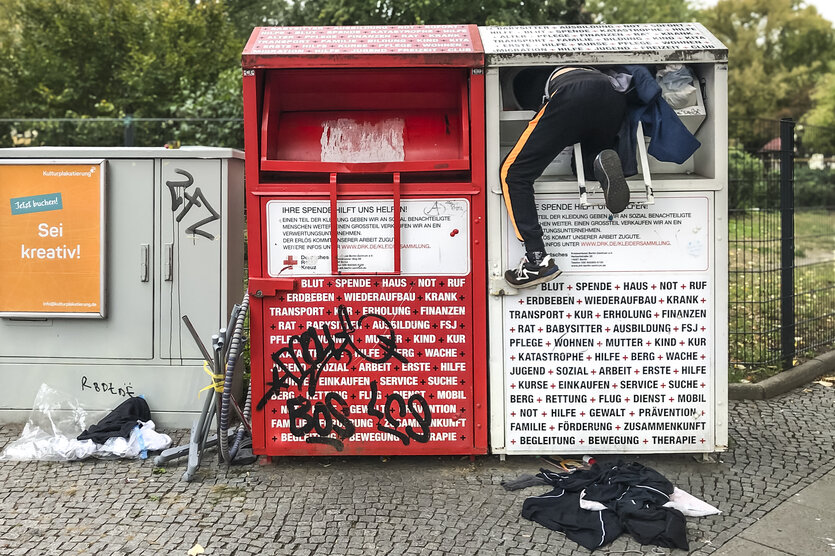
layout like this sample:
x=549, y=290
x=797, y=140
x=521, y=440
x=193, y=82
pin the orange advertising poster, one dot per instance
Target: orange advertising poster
x=51, y=238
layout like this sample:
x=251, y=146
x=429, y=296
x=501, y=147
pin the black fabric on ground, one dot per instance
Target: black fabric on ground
x=633, y=495
x=118, y=422
x=244, y=455
x=653, y=525
x=617, y=479
x=523, y=481
x=560, y=510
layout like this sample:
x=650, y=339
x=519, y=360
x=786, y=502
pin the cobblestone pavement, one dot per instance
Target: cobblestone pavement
x=418, y=505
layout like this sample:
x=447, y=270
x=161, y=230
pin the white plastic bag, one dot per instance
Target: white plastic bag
x=677, y=86
x=143, y=438
x=689, y=505
x=50, y=433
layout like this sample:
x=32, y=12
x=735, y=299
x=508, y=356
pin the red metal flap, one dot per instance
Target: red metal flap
x=269, y=287
x=364, y=46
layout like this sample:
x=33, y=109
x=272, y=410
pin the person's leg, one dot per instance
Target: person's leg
x=554, y=127
x=549, y=132
x=608, y=170
x=598, y=142
x=581, y=103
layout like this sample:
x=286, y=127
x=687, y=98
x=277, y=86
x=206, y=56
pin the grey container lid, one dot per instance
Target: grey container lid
x=120, y=152
x=601, y=44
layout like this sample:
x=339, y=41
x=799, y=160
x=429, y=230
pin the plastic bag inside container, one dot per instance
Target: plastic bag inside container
x=50, y=433
x=678, y=86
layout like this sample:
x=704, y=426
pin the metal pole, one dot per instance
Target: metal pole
x=787, y=316
x=129, y=130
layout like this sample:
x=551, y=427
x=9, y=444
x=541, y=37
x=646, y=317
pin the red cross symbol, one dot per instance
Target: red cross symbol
x=290, y=261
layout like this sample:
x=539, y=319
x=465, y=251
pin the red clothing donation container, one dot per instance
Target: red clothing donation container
x=366, y=223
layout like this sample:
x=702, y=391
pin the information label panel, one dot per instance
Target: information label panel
x=434, y=236
x=617, y=354
x=369, y=365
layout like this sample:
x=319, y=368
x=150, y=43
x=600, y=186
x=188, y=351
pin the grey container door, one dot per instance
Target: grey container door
x=191, y=212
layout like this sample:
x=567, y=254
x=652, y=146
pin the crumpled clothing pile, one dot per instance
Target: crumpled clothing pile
x=593, y=507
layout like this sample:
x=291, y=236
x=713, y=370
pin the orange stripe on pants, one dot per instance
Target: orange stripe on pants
x=511, y=158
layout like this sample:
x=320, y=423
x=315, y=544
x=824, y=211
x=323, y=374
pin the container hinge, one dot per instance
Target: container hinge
x=498, y=287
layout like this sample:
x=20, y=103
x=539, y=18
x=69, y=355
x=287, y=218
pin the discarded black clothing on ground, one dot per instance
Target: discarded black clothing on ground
x=118, y=422
x=244, y=455
x=524, y=481
x=633, y=495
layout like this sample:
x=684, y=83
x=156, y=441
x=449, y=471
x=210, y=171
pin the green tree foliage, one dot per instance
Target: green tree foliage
x=813, y=188
x=819, y=122
x=220, y=105
x=109, y=57
x=747, y=183
x=777, y=51
x=641, y=11
x=410, y=12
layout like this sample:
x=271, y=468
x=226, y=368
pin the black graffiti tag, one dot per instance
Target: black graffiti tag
x=310, y=352
x=193, y=199
x=316, y=352
x=324, y=419
x=417, y=407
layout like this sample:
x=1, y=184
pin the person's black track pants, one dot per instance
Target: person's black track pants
x=583, y=109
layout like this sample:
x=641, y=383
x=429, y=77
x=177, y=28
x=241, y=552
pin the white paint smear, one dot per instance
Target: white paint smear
x=347, y=140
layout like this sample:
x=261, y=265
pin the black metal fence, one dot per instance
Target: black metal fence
x=781, y=249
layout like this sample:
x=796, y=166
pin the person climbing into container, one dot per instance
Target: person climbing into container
x=582, y=106
x=601, y=111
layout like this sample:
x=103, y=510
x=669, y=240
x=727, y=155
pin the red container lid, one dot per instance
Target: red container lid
x=364, y=46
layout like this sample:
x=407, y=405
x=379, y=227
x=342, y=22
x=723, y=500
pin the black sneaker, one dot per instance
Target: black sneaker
x=529, y=274
x=608, y=171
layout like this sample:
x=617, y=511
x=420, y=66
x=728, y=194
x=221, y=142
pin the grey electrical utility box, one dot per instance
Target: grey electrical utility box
x=103, y=251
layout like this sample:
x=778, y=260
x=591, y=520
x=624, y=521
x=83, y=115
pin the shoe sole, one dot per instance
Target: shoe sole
x=532, y=283
x=609, y=173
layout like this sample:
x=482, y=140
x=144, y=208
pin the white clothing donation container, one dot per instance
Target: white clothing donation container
x=102, y=252
x=626, y=351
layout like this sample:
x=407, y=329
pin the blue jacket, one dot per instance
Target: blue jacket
x=670, y=141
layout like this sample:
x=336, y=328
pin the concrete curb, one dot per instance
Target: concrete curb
x=785, y=381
